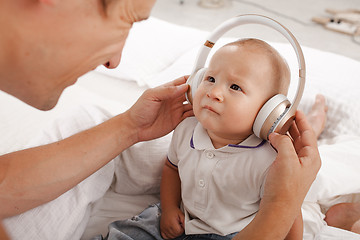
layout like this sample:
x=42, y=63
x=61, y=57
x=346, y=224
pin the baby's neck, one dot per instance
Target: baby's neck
x=219, y=141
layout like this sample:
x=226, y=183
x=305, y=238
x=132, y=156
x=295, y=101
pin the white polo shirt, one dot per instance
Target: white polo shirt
x=221, y=188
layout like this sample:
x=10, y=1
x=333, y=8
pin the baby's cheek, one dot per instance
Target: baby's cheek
x=196, y=104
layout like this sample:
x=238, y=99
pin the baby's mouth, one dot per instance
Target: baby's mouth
x=210, y=109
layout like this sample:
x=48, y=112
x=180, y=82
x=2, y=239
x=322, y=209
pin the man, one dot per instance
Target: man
x=46, y=45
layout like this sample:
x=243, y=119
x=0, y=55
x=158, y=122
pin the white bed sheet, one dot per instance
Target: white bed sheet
x=169, y=52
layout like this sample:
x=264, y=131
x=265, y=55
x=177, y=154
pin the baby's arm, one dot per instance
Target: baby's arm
x=296, y=231
x=172, y=218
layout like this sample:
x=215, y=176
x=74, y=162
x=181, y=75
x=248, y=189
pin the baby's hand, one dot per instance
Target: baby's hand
x=172, y=223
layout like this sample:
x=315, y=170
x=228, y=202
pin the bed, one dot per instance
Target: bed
x=156, y=52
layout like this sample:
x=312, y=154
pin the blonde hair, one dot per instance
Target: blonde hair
x=281, y=71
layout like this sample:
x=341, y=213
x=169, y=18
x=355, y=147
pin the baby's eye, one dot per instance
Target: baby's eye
x=235, y=87
x=211, y=79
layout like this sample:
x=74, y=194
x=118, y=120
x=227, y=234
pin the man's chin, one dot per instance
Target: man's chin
x=47, y=107
x=44, y=104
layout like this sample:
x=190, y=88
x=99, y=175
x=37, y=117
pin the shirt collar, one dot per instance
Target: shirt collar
x=200, y=140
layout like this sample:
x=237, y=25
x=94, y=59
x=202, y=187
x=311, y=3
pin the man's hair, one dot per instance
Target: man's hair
x=281, y=71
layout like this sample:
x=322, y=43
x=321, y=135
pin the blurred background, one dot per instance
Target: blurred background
x=338, y=32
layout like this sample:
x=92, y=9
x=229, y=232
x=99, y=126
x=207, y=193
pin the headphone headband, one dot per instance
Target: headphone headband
x=256, y=19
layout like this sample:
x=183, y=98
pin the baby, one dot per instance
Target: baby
x=216, y=166
x=213, y=178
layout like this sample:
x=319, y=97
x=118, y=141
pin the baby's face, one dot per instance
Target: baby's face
x=233, y=90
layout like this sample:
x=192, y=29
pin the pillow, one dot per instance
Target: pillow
x=138, y=169
x=68, y=214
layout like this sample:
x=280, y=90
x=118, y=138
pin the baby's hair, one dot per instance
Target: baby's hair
x=281, y=71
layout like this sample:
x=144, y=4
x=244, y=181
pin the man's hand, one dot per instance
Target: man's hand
x=159, y=110
x=296, y=165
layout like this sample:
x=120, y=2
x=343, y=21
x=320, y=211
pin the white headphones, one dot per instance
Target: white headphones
x=278, y=113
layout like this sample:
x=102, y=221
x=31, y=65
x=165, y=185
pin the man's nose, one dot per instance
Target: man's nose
x=113, y=62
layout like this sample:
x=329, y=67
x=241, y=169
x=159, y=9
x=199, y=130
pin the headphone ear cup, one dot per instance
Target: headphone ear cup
x=270, y=115
x=194, y=81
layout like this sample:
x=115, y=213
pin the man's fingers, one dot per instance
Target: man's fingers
x=308, y=137
x=178, y=81
x=188, y=113
x=166, y=92
x=283, y=145
x=178, y=87
x=181, y=98
x=294, y=132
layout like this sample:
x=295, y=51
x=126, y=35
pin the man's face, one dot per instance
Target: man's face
x=62, y=40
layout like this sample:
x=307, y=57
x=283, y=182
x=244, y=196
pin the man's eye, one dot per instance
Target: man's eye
x=211, y=79
x=235, y=87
